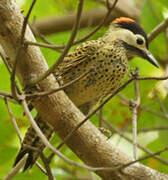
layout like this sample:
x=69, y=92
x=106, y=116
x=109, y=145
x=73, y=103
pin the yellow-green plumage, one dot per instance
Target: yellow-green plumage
x=106, y=61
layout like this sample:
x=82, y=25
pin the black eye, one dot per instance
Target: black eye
x=139, y=41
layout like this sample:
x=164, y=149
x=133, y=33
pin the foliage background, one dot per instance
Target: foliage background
x=153, y=12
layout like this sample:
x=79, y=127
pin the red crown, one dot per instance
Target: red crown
x=123, y=19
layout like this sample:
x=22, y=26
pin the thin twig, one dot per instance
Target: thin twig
x=6, y=94
x=68, y=46
x=5, y=59
x=38, y=34
x=47, y=167
x=153, y=78
x=51, y=46
x=41, y=168
x=20, y=46
x=13, y=120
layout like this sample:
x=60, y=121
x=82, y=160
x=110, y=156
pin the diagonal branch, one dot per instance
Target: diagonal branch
x=13, y=120
x=157, y=30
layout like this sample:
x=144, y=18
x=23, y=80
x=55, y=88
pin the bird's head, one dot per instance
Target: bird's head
x=133, y=37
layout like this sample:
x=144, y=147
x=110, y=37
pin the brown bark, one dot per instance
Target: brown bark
x=89, y=18
x=87, y=143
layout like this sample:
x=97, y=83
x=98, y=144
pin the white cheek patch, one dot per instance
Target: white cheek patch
x=127, y=36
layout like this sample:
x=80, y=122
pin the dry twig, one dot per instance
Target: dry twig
x=13, y=120
x=47, y=167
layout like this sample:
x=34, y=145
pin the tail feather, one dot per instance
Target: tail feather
x=31, y=139
x=29, y=158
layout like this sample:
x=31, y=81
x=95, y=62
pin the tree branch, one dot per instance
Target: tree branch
x=158, y=29
x=87, y=142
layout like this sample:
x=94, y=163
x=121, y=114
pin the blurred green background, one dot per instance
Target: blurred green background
x=152, y=13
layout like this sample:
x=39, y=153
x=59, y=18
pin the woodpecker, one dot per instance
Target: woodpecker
x=107, y=62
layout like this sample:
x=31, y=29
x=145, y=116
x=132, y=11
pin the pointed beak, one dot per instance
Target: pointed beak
x=141, y=52
x=149, y=57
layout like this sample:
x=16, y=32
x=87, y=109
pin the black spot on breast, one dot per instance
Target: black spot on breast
x=101, y=76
